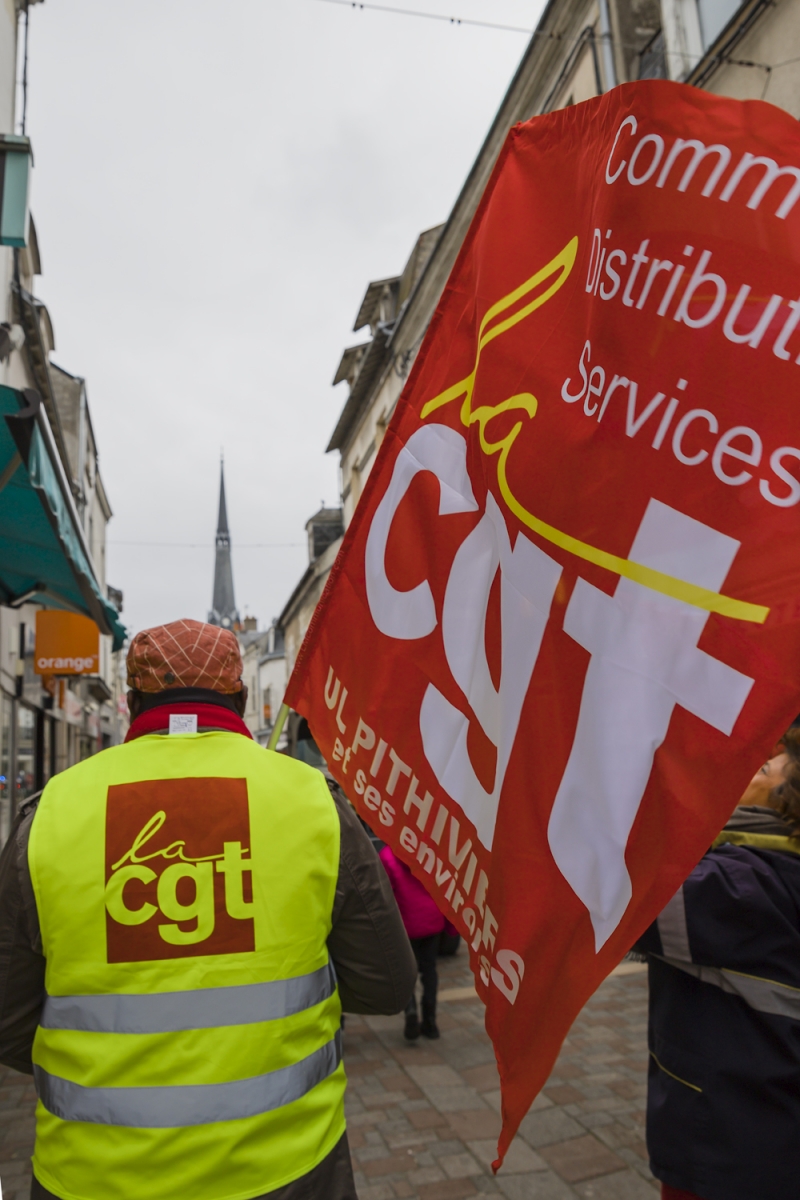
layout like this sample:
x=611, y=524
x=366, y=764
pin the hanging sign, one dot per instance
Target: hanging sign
x=66, y=644
x=564, y=627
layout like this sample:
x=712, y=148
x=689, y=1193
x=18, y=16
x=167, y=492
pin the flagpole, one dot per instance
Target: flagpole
x=277, y=728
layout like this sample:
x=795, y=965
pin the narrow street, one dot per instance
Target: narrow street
x=423, y=1117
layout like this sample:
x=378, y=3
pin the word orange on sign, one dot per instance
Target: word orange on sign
x=66, y=644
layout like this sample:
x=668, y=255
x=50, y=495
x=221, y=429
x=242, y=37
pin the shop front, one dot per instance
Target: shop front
x=58, y=629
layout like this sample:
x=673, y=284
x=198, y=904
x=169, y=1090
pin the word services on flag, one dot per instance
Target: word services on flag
x=563, y=628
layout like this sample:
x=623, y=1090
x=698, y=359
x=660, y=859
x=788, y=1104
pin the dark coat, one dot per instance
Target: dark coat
x=723, y=1105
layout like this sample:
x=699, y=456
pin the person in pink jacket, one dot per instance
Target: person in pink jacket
x=424, y=923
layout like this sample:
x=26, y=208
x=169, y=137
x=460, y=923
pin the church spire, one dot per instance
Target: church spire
x=223, y=606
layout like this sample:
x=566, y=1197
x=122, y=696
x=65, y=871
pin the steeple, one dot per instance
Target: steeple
x=223, y=606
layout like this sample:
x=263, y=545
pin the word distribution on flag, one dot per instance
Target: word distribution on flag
x=564, y=626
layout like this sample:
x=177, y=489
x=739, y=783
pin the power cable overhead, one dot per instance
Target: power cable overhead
x=408, y=12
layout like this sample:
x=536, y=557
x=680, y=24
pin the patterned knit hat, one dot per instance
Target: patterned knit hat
x=185, y=654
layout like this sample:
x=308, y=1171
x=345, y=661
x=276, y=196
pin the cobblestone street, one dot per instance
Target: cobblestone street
x=423, y=1117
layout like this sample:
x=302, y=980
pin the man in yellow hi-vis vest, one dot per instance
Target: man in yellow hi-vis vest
x=182, y=920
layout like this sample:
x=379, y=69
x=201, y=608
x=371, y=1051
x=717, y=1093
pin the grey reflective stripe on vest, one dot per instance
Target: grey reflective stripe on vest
x=673, y=929
x=763, y=995
x=198, y=1104
x=203, y=1008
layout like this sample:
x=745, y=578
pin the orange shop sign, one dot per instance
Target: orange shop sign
x=66, y=644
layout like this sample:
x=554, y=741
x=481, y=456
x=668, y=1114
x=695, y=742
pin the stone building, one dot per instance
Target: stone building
x=264, y=673
x=324, y=531
x=54, y=508
x=579, y=50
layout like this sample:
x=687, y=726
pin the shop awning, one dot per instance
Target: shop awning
x=44, y=557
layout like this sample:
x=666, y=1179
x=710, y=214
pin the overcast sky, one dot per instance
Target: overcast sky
x=215, y=185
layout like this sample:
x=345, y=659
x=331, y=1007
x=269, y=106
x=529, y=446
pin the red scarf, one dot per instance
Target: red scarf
x=209, y=716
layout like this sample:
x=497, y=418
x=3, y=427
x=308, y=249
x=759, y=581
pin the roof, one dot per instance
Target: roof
x=250, y=636
x=423, y=249
x=367, y=313
x=329, y=516
x=360, y=390
x=67, y=391
x=362, y=366
x=350, y=363
x=320, y=566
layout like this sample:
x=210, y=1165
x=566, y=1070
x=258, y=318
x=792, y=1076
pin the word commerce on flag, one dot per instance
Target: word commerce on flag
x=563, y=630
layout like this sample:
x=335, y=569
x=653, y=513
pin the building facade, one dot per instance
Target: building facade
x=324, y=531
x=264, y=674
x=580, y=49
x=53, y=506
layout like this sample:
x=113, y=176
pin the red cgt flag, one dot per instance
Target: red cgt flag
x=563, y=630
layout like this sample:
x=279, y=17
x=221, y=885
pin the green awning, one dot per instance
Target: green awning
x=44, y=557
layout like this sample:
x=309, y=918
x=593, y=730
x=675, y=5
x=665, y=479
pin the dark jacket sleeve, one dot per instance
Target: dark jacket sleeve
x=739, y=910
x=21, y=960
x=368, y=944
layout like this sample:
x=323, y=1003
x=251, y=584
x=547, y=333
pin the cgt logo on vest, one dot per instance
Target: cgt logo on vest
x=178, y=869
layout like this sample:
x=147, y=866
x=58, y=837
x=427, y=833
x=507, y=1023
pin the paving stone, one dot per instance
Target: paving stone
x=519, y=1156
x=550, y=1125
x=410, y=1138
x=450, y=1189
x=581, y=1158
x=623, y=1186
x=476, y=1123
x=382, y=1099
x=483, y=1079
x=395, y=1164
x=459, y=1166
x=426, y=1118
x=446, y=1144
x=453, y=1099
x=425, y=1175
x=435, y=1077
x=416, y=1055
x=565, y=1094
x=544, y=1185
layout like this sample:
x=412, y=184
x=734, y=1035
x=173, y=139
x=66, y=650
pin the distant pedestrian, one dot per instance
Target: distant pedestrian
x=723, y=1104
x=424, y=924
x=182, y=920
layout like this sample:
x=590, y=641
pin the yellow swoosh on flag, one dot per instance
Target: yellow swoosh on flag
x=560, y=267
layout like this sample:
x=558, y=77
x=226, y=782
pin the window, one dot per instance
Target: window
x=652, y=59
x=26, y=753
x=714, y=16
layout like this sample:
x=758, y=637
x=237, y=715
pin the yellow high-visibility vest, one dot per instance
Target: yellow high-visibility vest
x=189, y=1045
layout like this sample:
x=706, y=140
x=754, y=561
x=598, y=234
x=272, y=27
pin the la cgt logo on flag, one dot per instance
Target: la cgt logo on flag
x=564, y=627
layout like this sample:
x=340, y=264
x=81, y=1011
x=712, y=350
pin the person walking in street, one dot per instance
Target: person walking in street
x=424, y=924
x=182, y=920
x=723, y=1104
